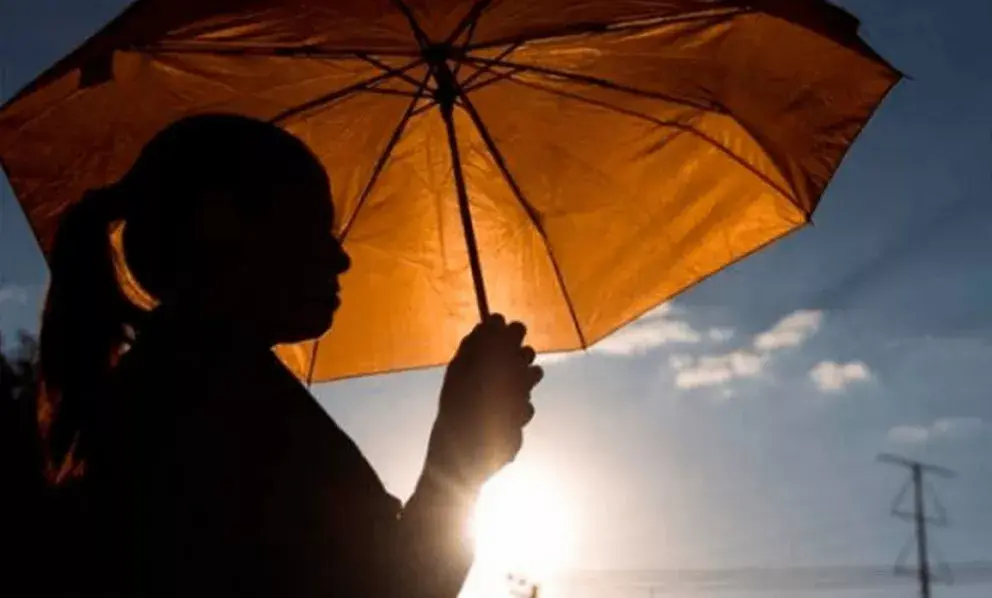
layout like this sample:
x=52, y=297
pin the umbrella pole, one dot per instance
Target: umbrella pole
x=447, y=113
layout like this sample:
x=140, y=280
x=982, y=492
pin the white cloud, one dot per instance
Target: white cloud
x=713, y=370
x=680, y=362
x=721, y=335
x=553, y=358
x=654, y=329
x=908, y=434
x=14, y=294
x=637, y=339
x=833, y=377
x=790, y=331
x=946, y=428
x=696, y=377
x=662, y=310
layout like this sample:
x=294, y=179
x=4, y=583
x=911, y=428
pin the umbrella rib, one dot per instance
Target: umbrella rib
x=313, y=363
x=382, y=66
x=469, y=20
x=422, y=40
x=432, y=104
x=468, y=40
x=528, y=209
x=384, y=158
x=587, y=28
x=663, y=123
x=341, y=93
x=485, y=68
x=389, y=92
x=593, y=82
x=380, y=164
x=494, y=79
x=222, y=49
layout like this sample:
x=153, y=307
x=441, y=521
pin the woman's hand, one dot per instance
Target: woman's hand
x=485, y=402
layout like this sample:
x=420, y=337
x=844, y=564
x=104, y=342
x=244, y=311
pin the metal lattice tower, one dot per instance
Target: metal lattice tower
x=920, y=519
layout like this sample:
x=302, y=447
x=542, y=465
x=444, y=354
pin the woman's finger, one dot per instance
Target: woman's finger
x=515, y=333
x=494, y=320
x=524, y=381
x=516, y=441
x=535, y=375
x=528, y=414
x=529, y=355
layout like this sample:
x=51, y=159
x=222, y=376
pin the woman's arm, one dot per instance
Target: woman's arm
x=425, y=551
x=430, y=550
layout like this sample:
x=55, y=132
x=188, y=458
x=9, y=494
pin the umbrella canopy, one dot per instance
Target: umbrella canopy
x=608, y=154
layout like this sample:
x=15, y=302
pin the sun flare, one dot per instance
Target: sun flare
x=522, y=528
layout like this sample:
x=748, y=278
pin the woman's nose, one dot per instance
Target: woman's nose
x=346, y=261
x=342, y=261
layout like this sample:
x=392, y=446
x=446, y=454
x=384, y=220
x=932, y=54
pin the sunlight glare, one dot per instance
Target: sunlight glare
x=522, y=527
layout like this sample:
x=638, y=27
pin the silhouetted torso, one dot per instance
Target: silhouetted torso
x=219, y=475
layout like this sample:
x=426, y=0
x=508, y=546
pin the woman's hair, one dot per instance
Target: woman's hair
x=88, y=318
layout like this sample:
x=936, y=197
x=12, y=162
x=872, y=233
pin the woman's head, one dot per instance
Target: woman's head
x=231, y=218
x=226, y=220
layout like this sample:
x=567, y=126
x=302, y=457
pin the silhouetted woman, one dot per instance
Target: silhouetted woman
x=208, y=469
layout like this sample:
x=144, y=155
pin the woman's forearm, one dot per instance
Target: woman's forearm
x=435, y=526
x=430, y=550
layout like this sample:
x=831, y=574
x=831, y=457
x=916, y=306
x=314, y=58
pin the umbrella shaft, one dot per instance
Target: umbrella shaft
x=447, y=112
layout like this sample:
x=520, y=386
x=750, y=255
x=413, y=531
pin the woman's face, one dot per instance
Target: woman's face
x=282, y=275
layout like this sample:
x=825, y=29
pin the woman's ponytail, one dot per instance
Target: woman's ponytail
x=83, y=326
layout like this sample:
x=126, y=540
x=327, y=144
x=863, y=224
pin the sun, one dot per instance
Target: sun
x=522, y=528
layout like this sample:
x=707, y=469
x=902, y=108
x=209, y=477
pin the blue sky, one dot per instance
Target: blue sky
x=739, y=425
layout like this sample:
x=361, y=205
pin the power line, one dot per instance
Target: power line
x=918, y=516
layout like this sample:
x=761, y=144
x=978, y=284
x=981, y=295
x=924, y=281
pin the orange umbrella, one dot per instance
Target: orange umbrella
x=570, y=163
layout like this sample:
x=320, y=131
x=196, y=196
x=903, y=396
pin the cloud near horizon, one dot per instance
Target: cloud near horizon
x=945, y=428
x=14, y=294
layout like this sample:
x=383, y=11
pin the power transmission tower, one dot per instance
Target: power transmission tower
x=918, y=515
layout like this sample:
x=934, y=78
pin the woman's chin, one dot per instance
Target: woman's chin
x=301, y=319
x=304, y=329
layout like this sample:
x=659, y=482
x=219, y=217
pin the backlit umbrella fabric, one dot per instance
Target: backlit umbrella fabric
x=610, y=153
